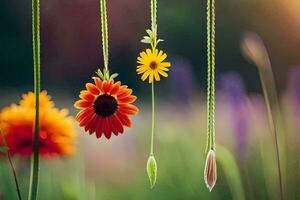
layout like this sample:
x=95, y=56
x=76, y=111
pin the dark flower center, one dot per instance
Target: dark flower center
x=105, y=105
x=153, y=65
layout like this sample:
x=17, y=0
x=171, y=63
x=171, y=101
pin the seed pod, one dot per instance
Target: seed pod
x=210, y=171
x=152, y=170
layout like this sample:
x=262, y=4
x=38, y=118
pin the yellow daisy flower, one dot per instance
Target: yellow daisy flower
x=152, y=65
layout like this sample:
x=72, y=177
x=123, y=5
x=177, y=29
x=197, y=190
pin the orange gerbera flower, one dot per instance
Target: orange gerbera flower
x=57, y=133
x=105, y=107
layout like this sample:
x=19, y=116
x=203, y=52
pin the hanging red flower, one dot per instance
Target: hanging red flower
x=105, y=107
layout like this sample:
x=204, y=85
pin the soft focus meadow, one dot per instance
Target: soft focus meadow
x=116, y=168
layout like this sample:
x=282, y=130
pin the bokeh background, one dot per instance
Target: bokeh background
x=115, y=169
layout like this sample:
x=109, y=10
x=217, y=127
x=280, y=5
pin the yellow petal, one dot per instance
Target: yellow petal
x=151, y=77
x=160, y=53
x=149, y=52
x=141, y=70
x=157, y=78
x=163, y=68
x=143, y=55
x=163, y=57
x=145, y=75
x=166, y=64
x=164, y=74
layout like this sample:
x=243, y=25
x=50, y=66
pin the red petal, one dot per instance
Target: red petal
x=83, y=113
x=99, y=129
x=92, y=88
x=107, y=128
x=88, y=123
x=84, y=121
x=123, y=119
x=117, y=124
x=94, y=124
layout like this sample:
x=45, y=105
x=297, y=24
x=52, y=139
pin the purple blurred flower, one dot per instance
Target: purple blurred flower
x=181, y=81
x=294, y=89
x=233, y=88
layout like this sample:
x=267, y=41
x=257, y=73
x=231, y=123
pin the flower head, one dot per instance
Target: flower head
x=56, y=136
x=210, y=171
x=152, y=65
x=105, y=107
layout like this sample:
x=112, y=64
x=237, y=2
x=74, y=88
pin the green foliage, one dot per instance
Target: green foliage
x=151, y=38
x=105, y=75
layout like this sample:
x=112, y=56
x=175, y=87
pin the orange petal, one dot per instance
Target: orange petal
x=115, y=88
x=92, y=88
x=107, y=86
x=87, y=96
x=128, y=99
x=98, y=82
x=128, y=109
x=83, y=104
x=123, y=93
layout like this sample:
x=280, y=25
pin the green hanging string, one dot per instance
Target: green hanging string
x=154, y=16
x=210, y=75
x=104, y=31
x=34, y=177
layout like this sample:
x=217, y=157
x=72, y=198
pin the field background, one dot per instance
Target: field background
x=115, y=169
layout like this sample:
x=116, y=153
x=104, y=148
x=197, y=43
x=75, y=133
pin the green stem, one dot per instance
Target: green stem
x=272, y=127
x=153, y=120
x=34, y=177
x=104, y=30
x=15, y=175
x=12, y=167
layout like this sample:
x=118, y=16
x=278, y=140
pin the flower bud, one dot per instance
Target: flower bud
x=254, y=49
x=152, y=170
x=210, y=171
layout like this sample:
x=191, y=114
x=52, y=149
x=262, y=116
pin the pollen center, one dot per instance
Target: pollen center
x=153, y=65
x=105, y=105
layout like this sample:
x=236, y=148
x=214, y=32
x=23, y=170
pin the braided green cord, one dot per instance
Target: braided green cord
x=213, y=64
x=104, y=31
x=153, y=5
x=208, y=77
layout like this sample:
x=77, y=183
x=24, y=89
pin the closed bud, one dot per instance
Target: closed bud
x=152, y=170
x=255, y=50
x=210, y=171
